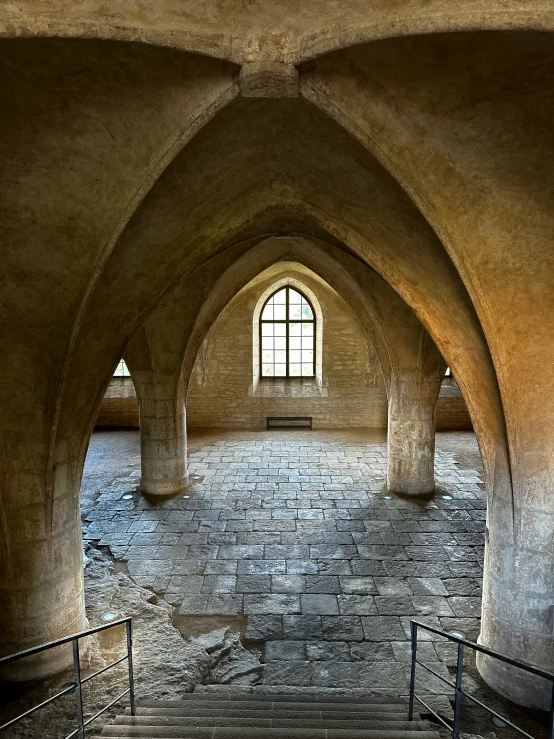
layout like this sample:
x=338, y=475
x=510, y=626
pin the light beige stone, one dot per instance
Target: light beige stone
x=420, y=146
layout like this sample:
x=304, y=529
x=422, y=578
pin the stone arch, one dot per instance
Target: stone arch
x=447, y=308
x=148, y=260
x=493, y=215
x=490, y=252
x=358, y=246
x=295, y=204
x=403, y=345
x=183, y=27
x=261, y=256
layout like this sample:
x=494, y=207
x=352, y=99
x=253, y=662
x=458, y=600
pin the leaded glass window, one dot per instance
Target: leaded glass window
x=287, y=335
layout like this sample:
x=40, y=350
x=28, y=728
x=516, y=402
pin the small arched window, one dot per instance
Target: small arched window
x=287, y=335
x=121, y=370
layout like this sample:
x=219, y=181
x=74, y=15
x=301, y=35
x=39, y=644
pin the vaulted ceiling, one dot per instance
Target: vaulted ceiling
x=131, y=160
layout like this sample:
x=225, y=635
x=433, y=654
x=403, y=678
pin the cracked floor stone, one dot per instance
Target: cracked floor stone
x=165, y=664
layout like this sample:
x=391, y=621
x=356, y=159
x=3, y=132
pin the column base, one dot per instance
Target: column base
x=45, y=664
x=408, y=478
x=517, y=685
x=164, y=487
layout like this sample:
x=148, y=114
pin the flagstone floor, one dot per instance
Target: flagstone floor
x=293, y=534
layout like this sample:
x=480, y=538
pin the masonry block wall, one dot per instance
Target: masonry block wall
x=452, y=412
x=221, y=393
x=119, y=408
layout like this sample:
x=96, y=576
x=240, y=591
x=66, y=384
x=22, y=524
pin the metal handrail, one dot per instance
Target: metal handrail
x=76, y=687
x=454, y=726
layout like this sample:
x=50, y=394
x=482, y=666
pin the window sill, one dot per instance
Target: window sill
x=289, y=387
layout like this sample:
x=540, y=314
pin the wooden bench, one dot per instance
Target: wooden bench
x=289, y=422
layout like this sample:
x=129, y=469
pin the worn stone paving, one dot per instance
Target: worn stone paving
x=295, y=532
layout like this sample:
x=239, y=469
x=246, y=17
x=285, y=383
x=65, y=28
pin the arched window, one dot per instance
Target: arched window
x=287, y=335
x=121, y=370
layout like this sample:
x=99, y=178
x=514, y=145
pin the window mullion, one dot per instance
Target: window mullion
x=299, y=322
x=287, y=331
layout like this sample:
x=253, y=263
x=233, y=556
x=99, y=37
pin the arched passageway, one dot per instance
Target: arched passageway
x=134, y=169
x=291, y=536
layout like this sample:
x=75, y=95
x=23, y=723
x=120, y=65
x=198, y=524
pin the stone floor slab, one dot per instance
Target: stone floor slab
x=292, y=532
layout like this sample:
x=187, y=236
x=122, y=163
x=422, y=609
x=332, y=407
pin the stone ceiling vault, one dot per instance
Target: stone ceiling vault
x=131, y=164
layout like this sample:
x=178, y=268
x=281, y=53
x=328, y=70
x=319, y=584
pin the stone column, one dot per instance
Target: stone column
x=163, y=440
x=411, y=434
x=518, y=586
x=41, y=569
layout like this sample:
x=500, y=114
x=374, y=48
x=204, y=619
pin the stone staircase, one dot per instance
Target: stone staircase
x=223, y=715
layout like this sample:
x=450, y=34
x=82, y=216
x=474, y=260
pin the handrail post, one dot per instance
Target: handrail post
x=458, y=693
x=78, y=691
x=413, y=635
x=129, y=629
x=552, y=713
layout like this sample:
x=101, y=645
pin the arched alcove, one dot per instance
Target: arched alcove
x=347, y=389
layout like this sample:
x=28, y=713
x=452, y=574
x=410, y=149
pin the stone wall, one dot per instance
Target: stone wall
x=452, y=412
x=119, y=408
x=221, y=392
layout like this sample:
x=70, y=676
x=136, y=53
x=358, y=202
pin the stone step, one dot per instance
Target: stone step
x=226, y=732
x=270, y=722
x=275, y=695
x=291, y=705
x=375, y=714
x=218, y=714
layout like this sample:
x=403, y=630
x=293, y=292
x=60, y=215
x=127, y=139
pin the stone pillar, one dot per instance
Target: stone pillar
x=41, y=569
x=411, y=434
x=163, y=441
x=518, y=586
